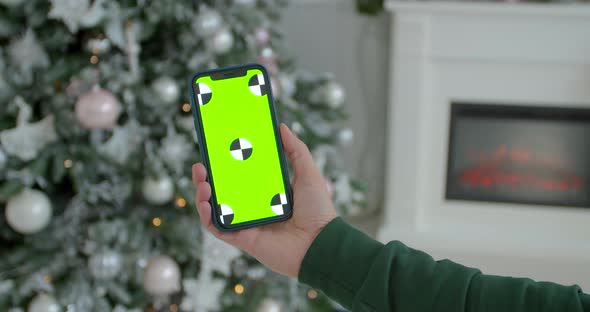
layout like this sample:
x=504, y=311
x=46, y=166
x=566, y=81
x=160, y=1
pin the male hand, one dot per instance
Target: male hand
x=280, y=246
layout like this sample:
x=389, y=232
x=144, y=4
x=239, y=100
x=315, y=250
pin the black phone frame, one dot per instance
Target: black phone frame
x=231, y=72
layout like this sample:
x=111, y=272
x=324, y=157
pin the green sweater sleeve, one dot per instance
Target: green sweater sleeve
x=364, y=275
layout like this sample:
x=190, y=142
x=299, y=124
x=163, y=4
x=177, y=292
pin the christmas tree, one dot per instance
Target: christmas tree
x=96, y=146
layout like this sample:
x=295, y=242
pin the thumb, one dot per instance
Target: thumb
x=299, y=156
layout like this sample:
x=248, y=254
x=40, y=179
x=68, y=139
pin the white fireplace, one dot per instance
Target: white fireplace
x=521, y=54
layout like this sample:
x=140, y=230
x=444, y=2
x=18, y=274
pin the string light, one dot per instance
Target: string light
x=94, y=59
x=312, y=294
x=186, y=107
x=180, y=202
x=239, y=289
x=156, y=221
x=68, y=163
x=174, y=307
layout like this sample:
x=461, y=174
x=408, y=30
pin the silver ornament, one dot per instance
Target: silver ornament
x=28, y=139
x=71, y=12
x=162, y=276
x=334, y=95
x=207, y=22
x=345, y=136
x=222, y=41
x=158, y=191
x=166, y=89
x=28, y=212
x=97, y=109
x=28, y=54
x=44, y=303
x=270, y=305
x=105, y=265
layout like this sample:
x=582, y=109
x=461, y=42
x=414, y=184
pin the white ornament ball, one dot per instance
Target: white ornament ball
x=162, y=276
x=208, y=22
x=270, y=305
x=28, y=212
x=44, y=303
x=345, y=136
x=158, y=191
x=166, y=89
x=105, y=265
x=334, y=95
x=222, y=41
x=97, y=109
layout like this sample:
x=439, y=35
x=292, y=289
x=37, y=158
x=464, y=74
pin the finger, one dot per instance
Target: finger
x=204, y=209
x=244, y=239
x=199, y=173
x=203, y=192
x=299, y=156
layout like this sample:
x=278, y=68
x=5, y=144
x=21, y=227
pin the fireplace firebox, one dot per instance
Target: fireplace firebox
x=519, y=154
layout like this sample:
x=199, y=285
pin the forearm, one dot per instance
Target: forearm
x=365, y=275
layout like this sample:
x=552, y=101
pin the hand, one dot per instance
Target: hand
x=280, y=246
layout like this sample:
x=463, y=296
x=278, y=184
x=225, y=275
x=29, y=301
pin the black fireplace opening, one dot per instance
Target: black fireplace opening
x=519, y=154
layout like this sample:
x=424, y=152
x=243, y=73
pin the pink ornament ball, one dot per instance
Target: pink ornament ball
x=262, y=36
x=97, y=109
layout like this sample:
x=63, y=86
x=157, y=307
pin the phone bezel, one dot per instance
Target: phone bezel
x=225, y=73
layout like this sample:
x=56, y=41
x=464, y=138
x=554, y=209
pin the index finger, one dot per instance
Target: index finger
x=199, y=173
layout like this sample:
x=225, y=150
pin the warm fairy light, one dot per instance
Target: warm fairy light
x=239, y=289
x=47, y=279
x=186, y=107
x=68, y=163
x=180, y=202
x=174, y=307
x=312, y=294
x=94, y=59
x=156, y=221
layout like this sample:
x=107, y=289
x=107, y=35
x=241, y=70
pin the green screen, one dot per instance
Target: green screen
x=243, y=156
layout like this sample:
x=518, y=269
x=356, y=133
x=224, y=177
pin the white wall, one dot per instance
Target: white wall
x=330, y=36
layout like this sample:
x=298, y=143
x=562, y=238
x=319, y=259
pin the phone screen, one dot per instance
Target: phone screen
x=241, y=147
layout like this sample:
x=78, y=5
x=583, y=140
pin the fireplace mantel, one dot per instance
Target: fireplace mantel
x=526, y=54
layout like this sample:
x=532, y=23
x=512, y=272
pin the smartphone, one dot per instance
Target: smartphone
x=241, y=147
